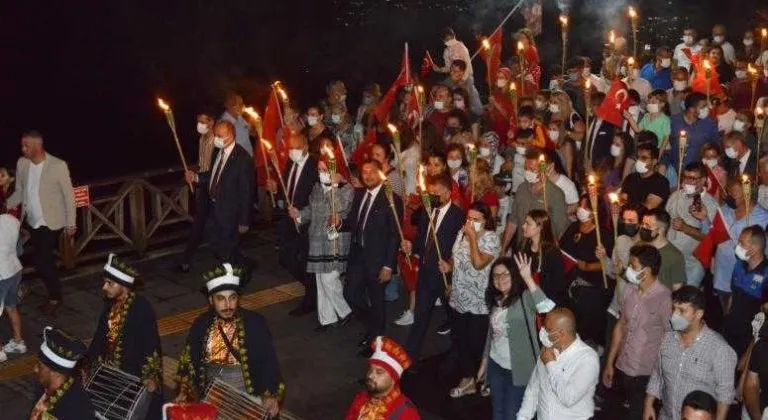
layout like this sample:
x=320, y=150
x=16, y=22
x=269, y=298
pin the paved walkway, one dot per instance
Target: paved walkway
x=321, y=370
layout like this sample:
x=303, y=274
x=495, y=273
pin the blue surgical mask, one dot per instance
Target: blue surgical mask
x=678, y=323
x=573, y=77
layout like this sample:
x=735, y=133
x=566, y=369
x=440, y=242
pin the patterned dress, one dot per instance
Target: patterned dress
x=469, y=285
x=326, y=255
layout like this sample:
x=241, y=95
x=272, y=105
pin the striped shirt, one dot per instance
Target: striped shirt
x=205, y=151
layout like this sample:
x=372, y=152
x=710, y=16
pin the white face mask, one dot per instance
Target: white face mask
x=202, y=128
x=583, y=214
x=742, y=253
x=689, y=189
x=666, y=62
x=741, y=74
x=311, y=120
x=296, y=155
x=615, y=151
x=748, y=42
x=336, y=118
x=711, y=163
x=704, y=113
x=578, y=144
x=342, y=98
x=218, y=142
x=554, y=108
x=641, y=167
x=454, y=163
x=540, y=104
x=635, y=73
x=544, y=338
x=688, y=39
x=718, y=39
x=459, y=104
x=554, y=135
x=439, y=105
x=738, y=125
x=325, y=177
x=520, y=150
x=501, y=83
x=623, y=70
x=586, y=72
x=531, y=177
x=477, y=226
x=680, y=85
x=731, y=152
x=654, y=108
x=632, y=275
x=485, y=151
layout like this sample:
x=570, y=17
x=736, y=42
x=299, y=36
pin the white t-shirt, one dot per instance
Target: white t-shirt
x=33, y=206
x=569, y=189
x=725, y=121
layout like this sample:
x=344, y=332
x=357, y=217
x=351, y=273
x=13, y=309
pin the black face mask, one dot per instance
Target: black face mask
x=730, y=202
x=646, y=235
x=630, y=229
x=434, y=201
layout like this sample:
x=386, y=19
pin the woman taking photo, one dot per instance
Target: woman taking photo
x=475, y=248
x=547, y=262
x=512, y=349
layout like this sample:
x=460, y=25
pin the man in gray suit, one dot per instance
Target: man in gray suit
x=44, y=190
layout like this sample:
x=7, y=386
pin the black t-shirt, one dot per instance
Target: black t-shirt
x=638, y=188
x=758, y=363
x=582, y=247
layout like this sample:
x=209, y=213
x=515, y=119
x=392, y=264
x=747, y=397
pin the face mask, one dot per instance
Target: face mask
x=311, y=120
x=540, y=104
x=635, y=73
x=554, y=108
x=367, y=100
x=680, y=85
x=485, y=152
x=202, y=128
x=573, y=77
x=578, y=144
x=688, y=39
x=583, y=214
x=711, y=163
x=325, y=177
x=748, y=42
x=678, y=323
x=741, y=253
x=740, y=74
x=646, y=235
x=623, y=71
x=586, y=72
x=477, y=226
x=666, y=62
x=524, y=126
x=434, y=201
x=544, y=338
x=554, y=135
x=704, y=113
x=731, y=152
x=631, y=229
x=634, y=110
x=218, y=142
x=520, y=150
x=689, y=189
x=531, y=177
x=632, y=276
x=439, y=105
x=718, y=39
x=738, y=125
x=459, y=104
x=654, y=108
x=615, y=150
x=730, y=202
x=454, y=163
x=296, y=155
x=641, y=167
x=501, y=83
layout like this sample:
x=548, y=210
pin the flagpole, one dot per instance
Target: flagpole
x=498, y=28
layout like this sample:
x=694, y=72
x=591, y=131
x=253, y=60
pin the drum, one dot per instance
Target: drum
x=233, y=404
x=117, y=395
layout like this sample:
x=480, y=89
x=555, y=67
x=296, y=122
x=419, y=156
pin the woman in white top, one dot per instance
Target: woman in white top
x=476, y=246
x=10, y=276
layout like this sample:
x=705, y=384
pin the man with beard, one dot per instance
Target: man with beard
x=382, y=398
x=126, y=337
x=230, y=344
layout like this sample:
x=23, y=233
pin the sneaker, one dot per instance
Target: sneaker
x=405, y=319
x=444, y=329
x=3, y=356
x=15, y=347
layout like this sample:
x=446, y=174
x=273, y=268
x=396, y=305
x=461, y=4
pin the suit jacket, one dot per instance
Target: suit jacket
x=380, y=238
x=56, y=195
x=235, y=191
x=424, y=245
x=733, y=166
x=600, y=135
x=301, y=194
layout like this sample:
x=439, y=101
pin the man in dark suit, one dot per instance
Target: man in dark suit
x=300, y=175
x=448, y=220
x=230, y=188
x=372, y=254
x=741, y=160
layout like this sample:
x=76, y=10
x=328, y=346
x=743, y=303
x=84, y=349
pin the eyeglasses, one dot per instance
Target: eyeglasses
x=500, y=276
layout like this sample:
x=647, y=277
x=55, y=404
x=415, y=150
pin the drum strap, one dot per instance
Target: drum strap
x=230, y=346
x=400, y=409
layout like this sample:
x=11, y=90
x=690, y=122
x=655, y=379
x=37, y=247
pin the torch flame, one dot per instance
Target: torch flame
x=328, y=151
x=564, y=20
x=591, y=180
x=707, y=65
x=392, y=128
x=163, y=105
x=542, y=159
x=420, y=89
x=631, y=61
x=486, y=44
x=759, y=111
x=283, y=95
x=520, y=46
x=422, y=182
x=632, y=13
x=751, y=69
x=612, y=37
x=745, y=179
x=588, y=84
x=251, y=112
x=764, y=32
x=613, y=197
x=266, y=145
x=513, y=87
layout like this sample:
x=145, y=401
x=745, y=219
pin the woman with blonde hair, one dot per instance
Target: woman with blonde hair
x=561, y=108
x=484, y=187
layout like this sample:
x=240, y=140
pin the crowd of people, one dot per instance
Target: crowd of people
x=574, y=238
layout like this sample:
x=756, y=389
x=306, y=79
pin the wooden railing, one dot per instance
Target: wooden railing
x=132, y=213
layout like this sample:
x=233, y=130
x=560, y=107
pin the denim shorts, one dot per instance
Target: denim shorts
x=9, y=290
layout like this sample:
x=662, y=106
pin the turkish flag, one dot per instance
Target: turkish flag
x=492, y=55
x=718, y=234
x=426, y=66
x=271, y=123
x=616, y=102
x=699, y=83
x=568, y=261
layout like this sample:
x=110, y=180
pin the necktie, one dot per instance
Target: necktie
x=292, y=181
x=366, y=205
x=217, y=176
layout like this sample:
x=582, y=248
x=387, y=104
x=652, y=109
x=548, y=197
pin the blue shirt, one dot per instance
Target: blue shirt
x=752, y=283
x=699, y=133
x=242, y=136
x=661, y=79
x=725, y=255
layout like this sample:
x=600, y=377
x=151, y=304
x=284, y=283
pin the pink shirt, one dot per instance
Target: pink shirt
x=646, y=320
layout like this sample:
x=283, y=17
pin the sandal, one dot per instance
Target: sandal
x=468, y=389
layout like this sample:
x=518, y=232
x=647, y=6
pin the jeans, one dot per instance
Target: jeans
x=506, y=398
x=46, y=241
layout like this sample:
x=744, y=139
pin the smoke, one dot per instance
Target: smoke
x=564, y=6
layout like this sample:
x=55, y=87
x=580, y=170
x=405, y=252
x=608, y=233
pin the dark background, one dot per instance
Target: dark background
x=86, y=73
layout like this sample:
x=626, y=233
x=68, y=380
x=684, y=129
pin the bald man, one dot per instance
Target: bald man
x=562, y=385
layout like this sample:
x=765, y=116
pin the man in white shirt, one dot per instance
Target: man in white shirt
x=10, y=276
x=562, y=386
x=688, y=47
x=454, y=50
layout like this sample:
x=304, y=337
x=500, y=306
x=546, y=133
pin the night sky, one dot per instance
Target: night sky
x=86, y=73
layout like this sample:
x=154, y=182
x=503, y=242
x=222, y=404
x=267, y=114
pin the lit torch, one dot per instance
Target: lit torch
x=260, y=130
x=612, y=41
x=421, y=100
x=472, y=156
x=593, y=197
x=396, y=142
x=614, y=214
x=682, y=149
x=707, y=75
x=331, y=231
x=521, y=60
x=588, y=100
x=746, y=186
x=633, y=19
x=488, y=54
x=273, y=157
x=543, y=175
x=513, y=96
x=391, y=199
x=564, y=36
x=763, y=39
x=172, y=124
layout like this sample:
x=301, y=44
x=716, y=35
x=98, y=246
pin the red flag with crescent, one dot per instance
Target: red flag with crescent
x=492, y=54
x=270, y=125
x=615, y=103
